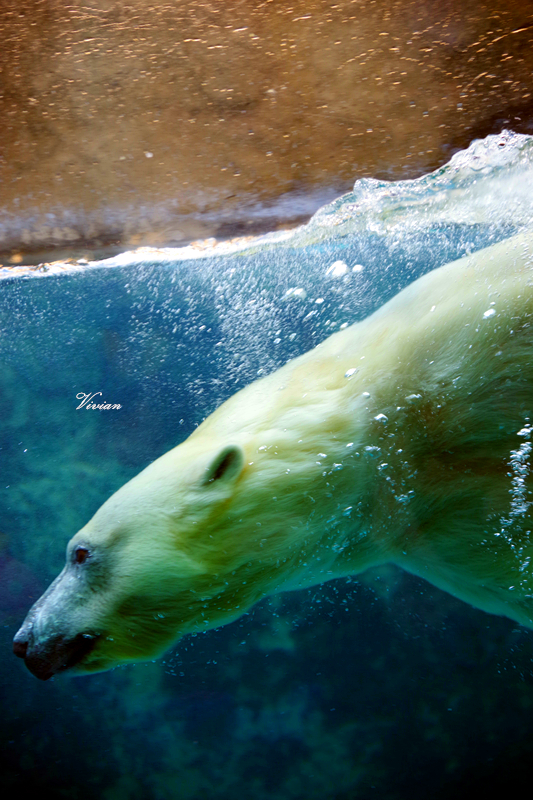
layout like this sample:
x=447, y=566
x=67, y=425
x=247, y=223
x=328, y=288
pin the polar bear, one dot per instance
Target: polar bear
x=405, y=438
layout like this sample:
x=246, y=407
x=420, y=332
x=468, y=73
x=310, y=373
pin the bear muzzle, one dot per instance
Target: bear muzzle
x=56, y=654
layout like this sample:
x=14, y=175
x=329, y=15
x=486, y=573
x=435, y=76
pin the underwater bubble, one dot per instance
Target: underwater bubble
x=403, y=499
x=338, y=547
x=337, y=269
x=490, y=312
x=350, y=372
x=295, y=292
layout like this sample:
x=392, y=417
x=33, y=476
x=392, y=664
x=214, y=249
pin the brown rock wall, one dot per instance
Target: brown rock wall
x=128, y=123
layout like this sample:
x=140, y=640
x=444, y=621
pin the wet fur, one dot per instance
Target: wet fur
x=407, y=460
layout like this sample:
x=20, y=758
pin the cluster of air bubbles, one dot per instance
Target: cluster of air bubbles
x=295, y=293
x=338, y=547
x=519, y=463
x=520, y=469
x=405, y=498
x=340, y=269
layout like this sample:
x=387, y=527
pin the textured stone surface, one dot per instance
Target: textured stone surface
x=127, y=123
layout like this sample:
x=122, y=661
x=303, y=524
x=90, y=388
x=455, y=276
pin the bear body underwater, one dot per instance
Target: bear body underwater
x=405, y=438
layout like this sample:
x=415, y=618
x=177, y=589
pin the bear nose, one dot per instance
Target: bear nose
x=20, y=648
x=54, y=654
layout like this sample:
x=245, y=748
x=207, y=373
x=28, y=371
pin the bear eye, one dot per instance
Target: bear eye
x=81, y=554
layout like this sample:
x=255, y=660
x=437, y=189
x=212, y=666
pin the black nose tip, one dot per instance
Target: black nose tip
x=20, y=648
x=55, y=654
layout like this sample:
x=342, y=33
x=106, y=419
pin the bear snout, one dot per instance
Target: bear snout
x=20, y=648
x=55, y=655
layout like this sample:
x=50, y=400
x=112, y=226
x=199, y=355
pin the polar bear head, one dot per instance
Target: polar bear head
x=145, y=570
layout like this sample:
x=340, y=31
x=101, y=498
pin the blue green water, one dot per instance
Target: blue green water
x=376, y=687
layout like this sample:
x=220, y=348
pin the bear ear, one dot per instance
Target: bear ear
x=225, y=466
